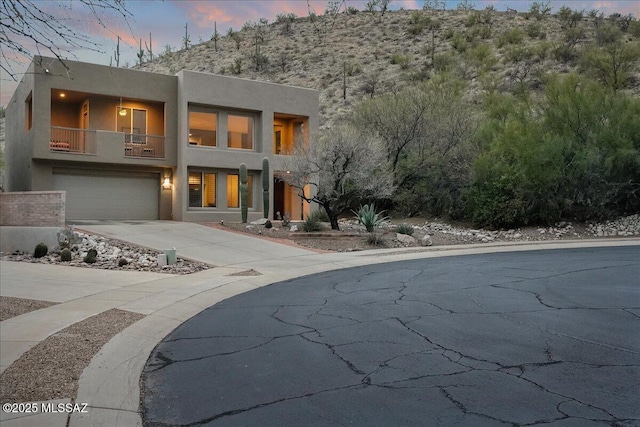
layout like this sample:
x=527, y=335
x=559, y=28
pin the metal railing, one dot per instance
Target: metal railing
x=71, y=140
x=137, y=145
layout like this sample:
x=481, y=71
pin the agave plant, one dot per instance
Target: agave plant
x=368, y=216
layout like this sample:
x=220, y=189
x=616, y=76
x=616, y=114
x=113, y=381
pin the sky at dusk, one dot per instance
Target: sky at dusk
x=165, y=20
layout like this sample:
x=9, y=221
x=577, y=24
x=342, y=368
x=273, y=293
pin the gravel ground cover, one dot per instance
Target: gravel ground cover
x=353, y=236
x=52, y=368
x=12, y=307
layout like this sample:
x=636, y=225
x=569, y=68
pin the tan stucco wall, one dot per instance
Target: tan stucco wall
x=228, y=94
x=30, y=162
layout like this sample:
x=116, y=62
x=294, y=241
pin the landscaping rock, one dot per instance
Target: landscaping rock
x=405, y=239
x=109, y=253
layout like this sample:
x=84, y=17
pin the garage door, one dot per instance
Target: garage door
x=109, y=195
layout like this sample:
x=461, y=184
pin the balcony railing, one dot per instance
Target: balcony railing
x=70, y=140
x=136, y=145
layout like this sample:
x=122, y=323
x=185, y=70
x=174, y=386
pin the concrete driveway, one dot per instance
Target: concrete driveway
x=524, y=338
x=196, y=241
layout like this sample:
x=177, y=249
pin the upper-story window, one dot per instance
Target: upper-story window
x=133, y=122
x=203, y=128
x=28, y=104
x=288, y=133
x=240, y=132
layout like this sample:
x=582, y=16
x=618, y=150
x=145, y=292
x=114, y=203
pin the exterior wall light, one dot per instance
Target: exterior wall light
x=166, y=183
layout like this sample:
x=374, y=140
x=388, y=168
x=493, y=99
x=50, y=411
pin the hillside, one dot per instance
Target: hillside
x=507, y=51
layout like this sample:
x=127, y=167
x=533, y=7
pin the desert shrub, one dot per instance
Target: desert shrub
x=405, y=229
x=65, y=255
x=484, y=32
x=122, y=262
x=352, y=68
x=459, y=43
x=575, y=35
x=534, y=31
x=375, y=240
x=542, y=49
x=40, y=250
x=482, y=56
x=367, y=216
x=512, y=36
x=443, y=62
x=268, y=224
x=417, y=22
x=319, y=215
x=518, y=54
x=311, y=224
x=565, y=53
x=449, y=33
x=607, y=33
x=402, y=60
x=91, y=256
x=634, y=28
x=574, y=154
x=539, y=9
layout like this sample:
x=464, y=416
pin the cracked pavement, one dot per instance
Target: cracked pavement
x=525, y=338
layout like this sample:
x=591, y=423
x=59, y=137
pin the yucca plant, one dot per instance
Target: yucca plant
x=405, y=229
x=368, y=216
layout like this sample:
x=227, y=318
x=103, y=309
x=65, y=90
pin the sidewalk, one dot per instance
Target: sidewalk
x=110, y=384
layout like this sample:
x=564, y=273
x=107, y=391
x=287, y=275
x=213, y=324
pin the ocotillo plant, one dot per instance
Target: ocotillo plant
x=265, y=187
x=244, y=192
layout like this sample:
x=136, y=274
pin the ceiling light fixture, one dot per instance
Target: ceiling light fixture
x=123, y=111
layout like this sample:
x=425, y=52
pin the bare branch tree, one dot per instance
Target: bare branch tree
x=341, y=169
x=28, y=26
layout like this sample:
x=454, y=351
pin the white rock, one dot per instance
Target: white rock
x=426, y=240
x=293, y=228
x=405, y=239
x=260, y=221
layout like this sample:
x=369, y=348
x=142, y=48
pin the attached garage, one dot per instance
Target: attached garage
x=109, y=194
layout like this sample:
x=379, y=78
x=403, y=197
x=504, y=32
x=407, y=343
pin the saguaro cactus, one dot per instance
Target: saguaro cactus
x=244, y=192
x=265, y=187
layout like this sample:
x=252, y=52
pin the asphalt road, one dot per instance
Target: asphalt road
x=546, y=337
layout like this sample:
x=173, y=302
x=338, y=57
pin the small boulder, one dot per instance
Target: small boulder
x=426, y=240
x=405, y=239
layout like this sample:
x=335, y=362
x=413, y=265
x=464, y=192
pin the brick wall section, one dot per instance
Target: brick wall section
x=32, y=209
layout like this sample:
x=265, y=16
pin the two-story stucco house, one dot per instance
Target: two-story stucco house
x=127, y=144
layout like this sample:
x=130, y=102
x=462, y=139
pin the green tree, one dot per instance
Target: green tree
x=612, y=63
x=426, y=133
x=573, y=154
x=339, y=171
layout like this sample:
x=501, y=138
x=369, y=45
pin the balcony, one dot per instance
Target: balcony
x=76, y=141
x=105, y=144
x=136, y=145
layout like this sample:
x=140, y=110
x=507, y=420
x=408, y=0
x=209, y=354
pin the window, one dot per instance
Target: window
x=202, y=128
x=29, y=111
x=133, y=122
x=288, y=133
x=202, y=190
x=240, y=132
x=233, y=190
